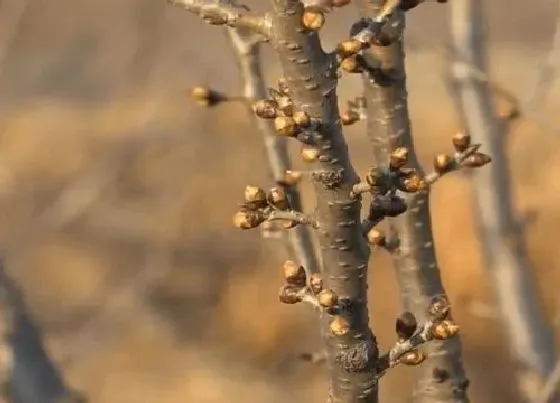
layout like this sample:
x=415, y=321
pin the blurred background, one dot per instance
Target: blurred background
x=117, y=191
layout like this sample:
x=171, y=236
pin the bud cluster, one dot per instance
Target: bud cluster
x=300, y=287
x=439, y=326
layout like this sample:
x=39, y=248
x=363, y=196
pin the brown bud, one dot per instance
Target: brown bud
x=398, y=157
x=339, y=326
x=291, y=178
x=349, y=48
x=205, y=96
x=286, y=126
x=278, y=198
x=310, y=154
x=302, y=118
x=408, y=4
x=443, y=163
x=476, y=160
x=294, y=273
x=461, y=141
x=439, y=307
x=340, y=3
x=375, y=176
x=406, y=325
x=289, y=224
x=327, y=298
x=265, y=109
x=255, y=196
x=413, y=358
x=445, y=330
x=411, y=183
x=349, y=117
x=313, y=19
x=282, y=85
x=286, y=105
x=316, y=283
x=247, y=219
x=376, y=237
x=351, y=65
x=289, y=294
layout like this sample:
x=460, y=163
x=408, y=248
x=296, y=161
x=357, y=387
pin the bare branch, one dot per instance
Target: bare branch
x=247, y=52
x=529, y=336
x=413, y=253
x=215, y=12
x=28, y=375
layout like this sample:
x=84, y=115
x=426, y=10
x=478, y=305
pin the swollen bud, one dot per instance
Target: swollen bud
x=413, y=358
x=445, y=330
x=316, y=283
x=247, y=219
x=376, y=237
x=406, y=325
x=310, y=154
x=286, y=126
x=255, y=197
x=349, y=117
x=476, y=160
x=461, y=141
x=289, y=294
x=265, y=109
x=205, y=96
x=339, y=326
x=278, y=198
x=443, y=163
x=327, y=298
x=398, y=157
x=294, y=273
x=313, y=19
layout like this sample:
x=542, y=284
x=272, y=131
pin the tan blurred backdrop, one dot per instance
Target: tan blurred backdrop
x=116, y=196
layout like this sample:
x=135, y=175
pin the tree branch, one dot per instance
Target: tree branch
x=27, y=373
x=219, y=13
x=529, y=336
x=247, y=53
x=414, y=257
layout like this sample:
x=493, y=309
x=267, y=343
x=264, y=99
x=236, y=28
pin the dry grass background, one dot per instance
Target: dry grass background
x=116, y=195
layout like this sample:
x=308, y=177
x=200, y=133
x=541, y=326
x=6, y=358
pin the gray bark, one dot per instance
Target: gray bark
x=442, y=377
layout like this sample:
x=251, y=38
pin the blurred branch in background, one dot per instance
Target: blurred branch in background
x=27, y=373
x=246, y=47
x=529, y=336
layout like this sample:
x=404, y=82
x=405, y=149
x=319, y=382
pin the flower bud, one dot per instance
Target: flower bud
x=289, y=294
x=413, y=358
x=443, y=163
x=445, y=330
x=349, y=117
x=349, y=48
x=439, y=307
x=327, y=298
x=255, y=196
x=411, y=183
x=286, y=126
x=265, y=109
x=302, y=119
x=278, y=198
x=247, y=219
x=294, y=273
x=291, y=178
x=351, y=65
x=316, y=283
x=398, y=157
x=205, y=96
x=286, y=105
x=310, y=154
x=476, y=160
x=376, y=237
x=339, y=326
x=461, y=141
x=313, y=19
x=406, y=325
